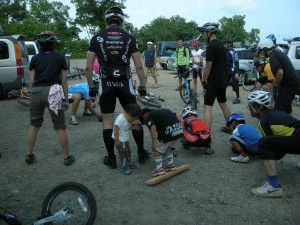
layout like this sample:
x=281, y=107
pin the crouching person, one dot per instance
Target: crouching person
x=166, y=131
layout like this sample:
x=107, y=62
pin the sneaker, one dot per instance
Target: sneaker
x=73, y=121
x=158, y=172
x=240, y=159
x=170, y=167
x=236, y=101
x=126, y=170
x=69, y=160
x=226, y=130
x=86, y=114
x=142, y=158
x=29, y=159
x=111, y=163
x=133, y=165
x=267, y=191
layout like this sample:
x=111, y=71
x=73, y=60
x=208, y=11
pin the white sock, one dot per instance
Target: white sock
x=158, y=162
x=170, y=158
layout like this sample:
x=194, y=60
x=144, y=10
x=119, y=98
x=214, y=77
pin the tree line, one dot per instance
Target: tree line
x=30, y=17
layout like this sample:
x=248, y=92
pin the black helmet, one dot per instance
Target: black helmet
x=260, y=61
x=253, y=48
x=209, y=27
x=47, y=37
x=227, y=40
x=114, y=13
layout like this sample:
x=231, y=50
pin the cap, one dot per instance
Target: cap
x=149, y=43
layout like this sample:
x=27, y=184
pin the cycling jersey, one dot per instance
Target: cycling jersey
x=268, y=72
x=182, y=59
x=82, y=89
x=232, y=61
x=279, y=123
x=196, y=55
x=113, y=48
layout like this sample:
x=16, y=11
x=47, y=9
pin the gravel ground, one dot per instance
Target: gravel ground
x=213, y=191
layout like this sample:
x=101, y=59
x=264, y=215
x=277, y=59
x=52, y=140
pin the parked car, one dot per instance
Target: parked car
x=171, y=62
x=164, y=50
x=14, y=63
x=292, y=49
x=32, y=49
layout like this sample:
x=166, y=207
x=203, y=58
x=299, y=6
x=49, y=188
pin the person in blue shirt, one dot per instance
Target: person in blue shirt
x=150, y=63
x=244, y=138
x=79, y=92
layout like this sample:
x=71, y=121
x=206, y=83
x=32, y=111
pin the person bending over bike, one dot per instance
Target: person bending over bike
x=80, y=92
x=195, y=132
x=281, y=136
x=47, y=71
x=114, y=47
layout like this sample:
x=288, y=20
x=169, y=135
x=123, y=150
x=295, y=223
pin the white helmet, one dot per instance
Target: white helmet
x=265, y=43
x=95, y=77
x=262, y=98
x=188, y=111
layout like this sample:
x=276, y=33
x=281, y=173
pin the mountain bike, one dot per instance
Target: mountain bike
x=150, y=99
x=248, y=79
x=68, y=203
x=187, y=93
x=78, y=72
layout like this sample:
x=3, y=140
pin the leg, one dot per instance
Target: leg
x=32, y=134
x=208, y=116
x=146, y=69
x=195, y=77
x=76, y=101
x=225, y=109
x=239, y=147
x=108, y=120
x=63, y=140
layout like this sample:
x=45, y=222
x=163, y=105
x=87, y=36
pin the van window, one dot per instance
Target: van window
x=245, y=54
x=4, y=53
x=23, y=49
x=30, y=49
x=297, y=56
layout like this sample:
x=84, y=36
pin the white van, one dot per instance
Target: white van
x=14, y=63
x=32, y=49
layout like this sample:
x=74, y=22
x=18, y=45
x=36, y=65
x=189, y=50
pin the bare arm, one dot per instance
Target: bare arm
x=31, y=78
x=89, y=68
x=139, y=67
x=278, y=76
x=153, y=137
x=207, y=70
x=64, y=83
x=116, y=136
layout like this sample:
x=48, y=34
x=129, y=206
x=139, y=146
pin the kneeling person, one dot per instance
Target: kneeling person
x=166, y=130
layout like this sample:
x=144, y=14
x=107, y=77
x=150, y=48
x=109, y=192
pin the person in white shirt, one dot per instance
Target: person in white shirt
x=197, y=61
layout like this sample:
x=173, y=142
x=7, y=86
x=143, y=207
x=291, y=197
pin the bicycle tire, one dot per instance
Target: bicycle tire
x=246, y=86
x=193, y=98
x=23, y=101
x=184, y=95
x=74, y=196
x=150, y=102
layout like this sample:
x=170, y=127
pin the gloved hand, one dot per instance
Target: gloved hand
x=100, y=119
x=142, y=90
x=93, y=92
x=65, y=105
x=204, y=85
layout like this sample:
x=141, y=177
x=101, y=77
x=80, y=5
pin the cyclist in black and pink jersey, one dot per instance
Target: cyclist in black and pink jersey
x=114, y=47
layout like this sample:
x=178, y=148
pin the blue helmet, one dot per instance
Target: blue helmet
x=236, y=117
x=272, y=37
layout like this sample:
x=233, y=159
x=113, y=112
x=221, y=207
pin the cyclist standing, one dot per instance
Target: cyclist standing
x=114, y=47
x=232, y=68
x=197, y=61
x=182, y=61
x=214, y=77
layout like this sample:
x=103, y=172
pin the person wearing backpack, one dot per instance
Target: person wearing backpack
x=150, y=63
x=182, y=61
x=195, y=132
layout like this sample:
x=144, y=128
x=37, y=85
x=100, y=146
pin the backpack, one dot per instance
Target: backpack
x=184, y=51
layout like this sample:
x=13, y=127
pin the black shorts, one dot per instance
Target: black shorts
x=263, y=80
x=111, y=89
x=284, y=98
x=196, y=73
x=181, y=71
x=212, y=93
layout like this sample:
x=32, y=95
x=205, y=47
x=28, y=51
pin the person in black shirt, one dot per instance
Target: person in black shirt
x=214, y=78
x=114, y=47
x=287, y=80
x=166, y=129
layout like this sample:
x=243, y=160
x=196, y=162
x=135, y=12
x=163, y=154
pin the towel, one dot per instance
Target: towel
x=55, y=97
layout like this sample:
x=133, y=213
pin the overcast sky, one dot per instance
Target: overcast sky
x=269, y=16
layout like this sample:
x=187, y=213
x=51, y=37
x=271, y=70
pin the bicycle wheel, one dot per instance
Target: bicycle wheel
x=149, y=101
x=77, y=199
x=23, y=101
x=184, y=94
x=249, y=84
x=193, y=98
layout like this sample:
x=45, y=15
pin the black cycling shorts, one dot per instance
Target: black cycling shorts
x=196, y=73
x=111, y=89
x=212, y=93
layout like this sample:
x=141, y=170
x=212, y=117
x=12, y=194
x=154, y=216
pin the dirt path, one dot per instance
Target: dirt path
x=213, y=191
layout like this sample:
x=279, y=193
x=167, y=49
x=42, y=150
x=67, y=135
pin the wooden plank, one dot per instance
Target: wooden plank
x=160, y=178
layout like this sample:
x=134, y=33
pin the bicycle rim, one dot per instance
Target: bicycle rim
x=23, y=101
x=251, y=85
x=193, y=99
x=75, y=197
x=184, y=94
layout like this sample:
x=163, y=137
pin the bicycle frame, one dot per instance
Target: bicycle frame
x=61, y=215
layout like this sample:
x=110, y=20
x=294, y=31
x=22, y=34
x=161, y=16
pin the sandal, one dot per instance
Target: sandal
x=29, y=159
x=69, y=160
x=126, y=170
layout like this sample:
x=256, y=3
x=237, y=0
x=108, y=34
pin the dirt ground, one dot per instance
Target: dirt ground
x=213, y=191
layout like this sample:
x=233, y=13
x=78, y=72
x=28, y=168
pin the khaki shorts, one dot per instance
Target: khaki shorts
x=152, y=71
x=162, y=147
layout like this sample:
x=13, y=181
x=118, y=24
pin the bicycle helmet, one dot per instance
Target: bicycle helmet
x=254, y=48
x=260, y=61
x=209, y=27
x=259, y=97
x=265, y=43
x=272, y=38
x=47, y=37
x=115, y=14
x=235, y=117
x=96, y=78
x=188, y=111
x=227, y=40
x=195, y=43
